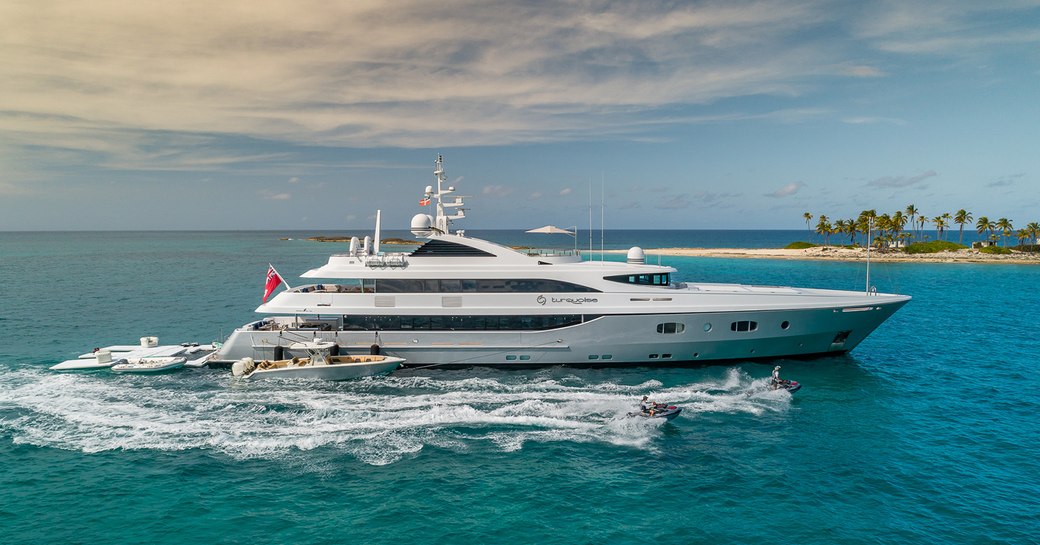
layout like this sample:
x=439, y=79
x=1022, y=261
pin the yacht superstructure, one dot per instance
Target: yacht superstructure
x=459, y=301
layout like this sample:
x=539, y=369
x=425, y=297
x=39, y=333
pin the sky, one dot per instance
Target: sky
x=311, y=115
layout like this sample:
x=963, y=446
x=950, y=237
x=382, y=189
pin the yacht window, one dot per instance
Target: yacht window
x=641, y=279
x=671, y=327
x=451, y=286
x=463, y=322
x=743, y=325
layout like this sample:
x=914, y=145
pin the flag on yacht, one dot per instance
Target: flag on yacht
x=273, y=279
x=424, y=201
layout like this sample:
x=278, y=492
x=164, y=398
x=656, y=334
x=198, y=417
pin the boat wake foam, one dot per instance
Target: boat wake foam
x=378, y=420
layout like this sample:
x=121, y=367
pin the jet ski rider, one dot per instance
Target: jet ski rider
x=647, y=406
x=774, y=382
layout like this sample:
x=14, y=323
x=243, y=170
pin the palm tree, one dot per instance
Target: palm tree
x=1005, y=227
x=946, y=220
x=865, y=224
x=961, y=217
x=851, y=230
x=839, y=226
x=1034, y=232
x=1022, y=235
x=984, y=225
x=912, y=211
x=940, y=226
x=897, y=223
x=921, y=220
x=808, y=217
x=823, y=226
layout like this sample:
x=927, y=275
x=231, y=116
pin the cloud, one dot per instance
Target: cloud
x=957, y=29
x=133, y=86
x=786, y=191
x=496, y=191
x=861, y=71
x=294, y=180
x=674, y=202
x=709, y=198
x=1005, y=181
x=565, y=191
x=536, y=195
x=866, y=120
x=272, y=196
x=902, y=181
x=367, y=75
x=8, y=189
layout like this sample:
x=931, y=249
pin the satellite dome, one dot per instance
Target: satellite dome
x=636, y=255
x=422, y=225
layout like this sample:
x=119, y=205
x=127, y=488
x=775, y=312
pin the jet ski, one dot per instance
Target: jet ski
x=791, y=386
x=661, y=410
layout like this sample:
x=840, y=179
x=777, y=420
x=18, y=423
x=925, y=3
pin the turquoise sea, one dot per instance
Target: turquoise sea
x=929, y=432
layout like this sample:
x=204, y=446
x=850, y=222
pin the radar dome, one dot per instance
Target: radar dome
x=422, y=225
x=636, y=255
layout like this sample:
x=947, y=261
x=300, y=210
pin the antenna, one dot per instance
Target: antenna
x=602, y=231
x=375, y=244
x=870, y=224
x=591, y=255
x=443, y=221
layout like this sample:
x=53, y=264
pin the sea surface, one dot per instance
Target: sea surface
x=928, y=432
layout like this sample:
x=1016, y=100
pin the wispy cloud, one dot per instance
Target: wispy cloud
x=496, y=191
x=565, y=191
x=674, y=202
x=902, y=181
x=294, y=180
x=273, y=196
x=786, y=191
x=1006, y=181
x=867, y=120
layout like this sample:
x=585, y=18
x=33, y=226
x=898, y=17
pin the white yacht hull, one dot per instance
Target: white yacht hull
x=609, y=340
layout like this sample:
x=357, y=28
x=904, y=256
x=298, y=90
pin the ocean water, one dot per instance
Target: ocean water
x=929, y=432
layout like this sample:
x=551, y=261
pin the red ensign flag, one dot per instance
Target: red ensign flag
x=424, y=201
x=273, y=279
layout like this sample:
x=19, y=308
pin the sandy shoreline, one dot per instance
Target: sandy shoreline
x=832, y=253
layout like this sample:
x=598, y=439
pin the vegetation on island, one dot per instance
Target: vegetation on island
x=799, y=245
x=903, y=231
x=399, y=241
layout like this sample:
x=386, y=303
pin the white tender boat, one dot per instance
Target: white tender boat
x=149, y=365
x=462, y=301
x=319, y=365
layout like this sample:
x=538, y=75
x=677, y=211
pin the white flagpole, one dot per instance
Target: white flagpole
x=287, y=286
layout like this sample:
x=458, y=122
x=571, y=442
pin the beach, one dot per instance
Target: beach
x=836, y=253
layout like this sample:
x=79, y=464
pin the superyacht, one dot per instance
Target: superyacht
x=461, y=301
